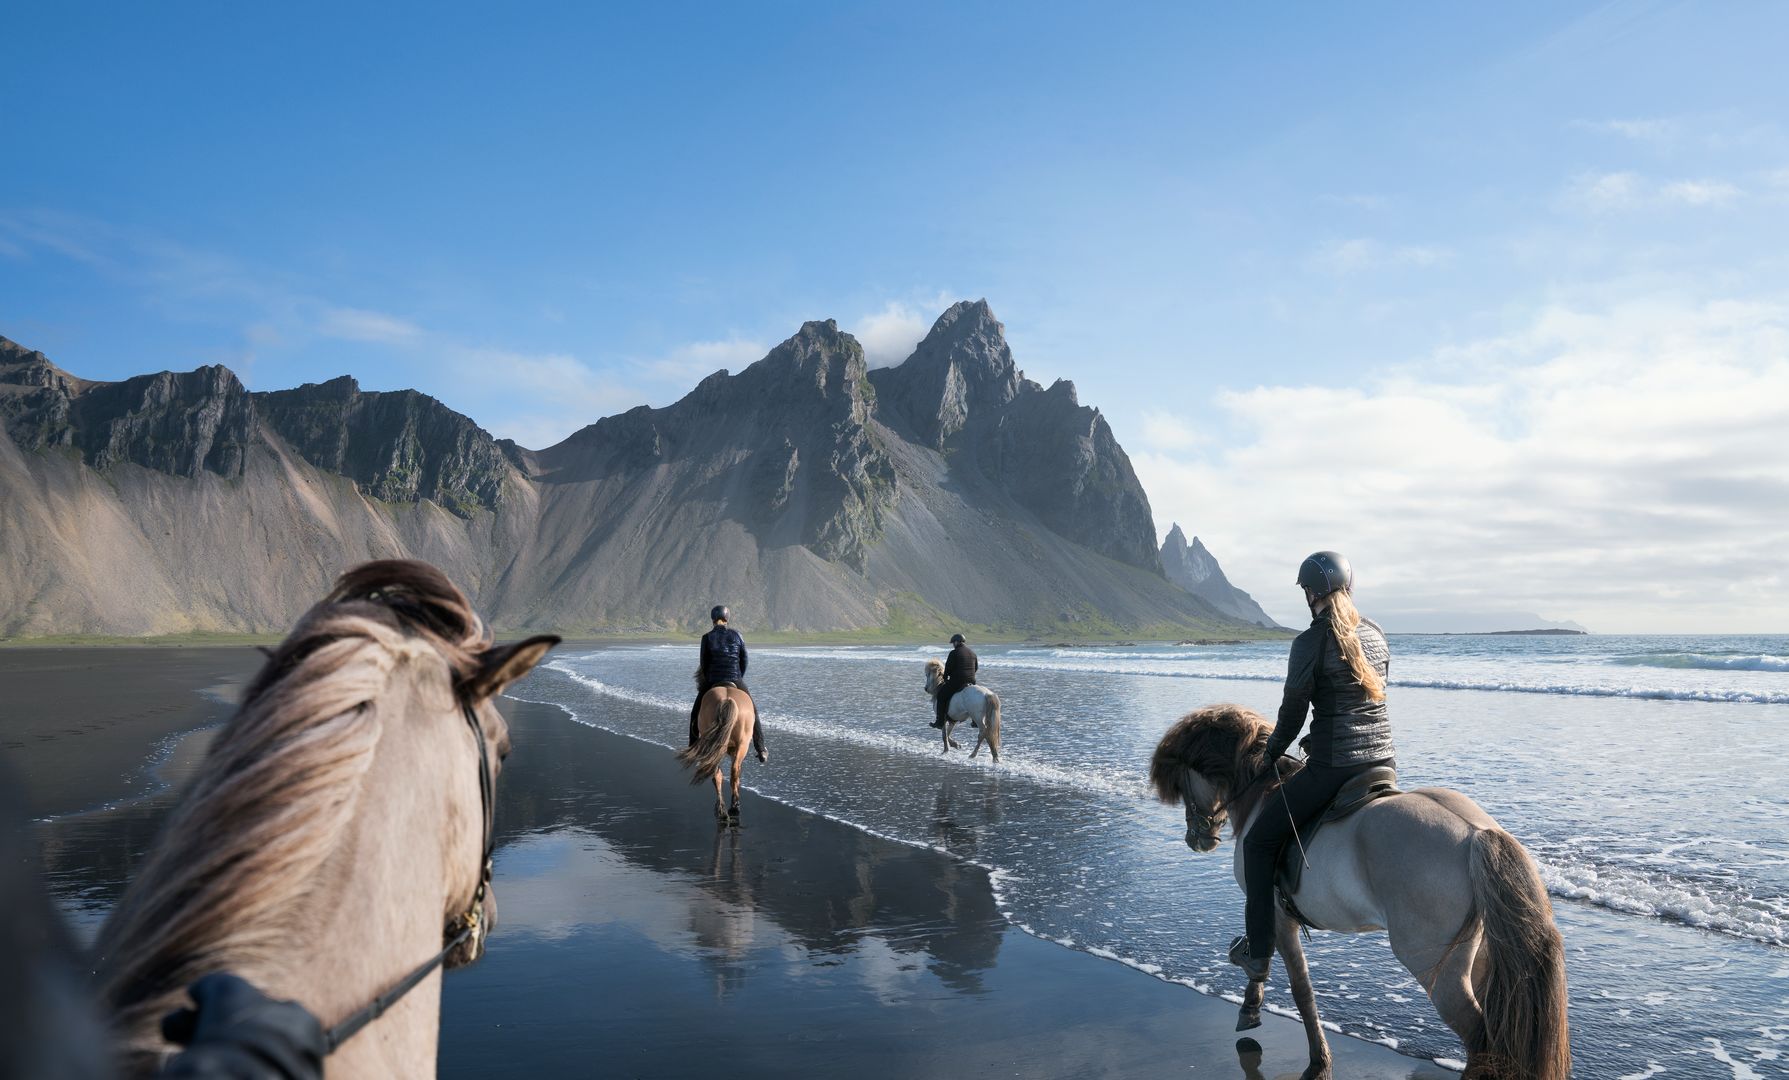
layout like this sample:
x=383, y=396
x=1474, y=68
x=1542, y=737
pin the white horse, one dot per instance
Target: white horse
x=972, y=704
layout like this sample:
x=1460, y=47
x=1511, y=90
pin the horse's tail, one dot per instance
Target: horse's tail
x=711, y=748
x=990, y=721
x=1523, y=995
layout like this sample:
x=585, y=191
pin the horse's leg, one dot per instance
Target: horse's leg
x=1249, y=1016
x=981, y=736
x=738, y=767
x=950, y=725
x=1298, y=974
x=1449, y=983
x=720, y=806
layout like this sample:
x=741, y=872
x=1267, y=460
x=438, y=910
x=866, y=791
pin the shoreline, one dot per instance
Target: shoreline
x=636, y=938
x=1175, y=1025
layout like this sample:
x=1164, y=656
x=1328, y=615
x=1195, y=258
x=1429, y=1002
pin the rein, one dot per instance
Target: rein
x=466, y=926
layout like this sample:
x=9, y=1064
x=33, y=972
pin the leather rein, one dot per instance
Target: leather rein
x=464, y=927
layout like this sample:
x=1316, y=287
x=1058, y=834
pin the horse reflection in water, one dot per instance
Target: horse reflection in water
x=339, y=821
x=1461, y=901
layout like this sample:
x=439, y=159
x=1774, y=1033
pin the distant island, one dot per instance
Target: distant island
x=1549, y=632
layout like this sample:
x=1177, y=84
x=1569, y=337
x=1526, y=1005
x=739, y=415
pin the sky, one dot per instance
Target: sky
x=1493, y=298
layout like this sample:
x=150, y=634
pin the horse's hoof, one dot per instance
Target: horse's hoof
x=1248, y=1019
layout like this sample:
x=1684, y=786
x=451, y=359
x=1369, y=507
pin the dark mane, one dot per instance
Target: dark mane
x=1223, y=743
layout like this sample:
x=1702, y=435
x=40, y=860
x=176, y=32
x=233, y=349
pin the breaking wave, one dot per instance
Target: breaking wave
x=1704, y=662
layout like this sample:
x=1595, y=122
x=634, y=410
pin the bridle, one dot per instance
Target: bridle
x=467, y=926
x=1210, y=826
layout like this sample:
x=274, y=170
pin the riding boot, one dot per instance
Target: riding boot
x=694, y=709
x=758, y=743
x=1256, y=967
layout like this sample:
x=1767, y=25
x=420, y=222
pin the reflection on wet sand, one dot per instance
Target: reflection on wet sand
x=821, y=898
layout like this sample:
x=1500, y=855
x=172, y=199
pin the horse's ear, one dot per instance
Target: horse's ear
x=501, y=665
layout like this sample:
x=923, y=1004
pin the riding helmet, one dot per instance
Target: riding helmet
x=720, y=614
x=1324, y=572
x=956, y=639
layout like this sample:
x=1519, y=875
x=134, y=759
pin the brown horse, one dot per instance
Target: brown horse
x=1459, y=898
x=724, y=726
x=338, y=823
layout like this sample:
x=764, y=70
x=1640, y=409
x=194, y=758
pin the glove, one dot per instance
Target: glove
x=235, y=1032
x=1275, y=751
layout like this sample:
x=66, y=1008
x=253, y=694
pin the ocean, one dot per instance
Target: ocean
x=1643, y=773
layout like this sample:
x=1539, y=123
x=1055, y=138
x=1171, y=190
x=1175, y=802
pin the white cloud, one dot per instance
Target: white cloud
x=1647, y=130
x=1164, y=431
x=687, y=365
x=1624, y=467
x=1699, y=192
x=354, y=324
x=1345, y=257
x=537, y=399
x=888, y=336
x=1604, y=193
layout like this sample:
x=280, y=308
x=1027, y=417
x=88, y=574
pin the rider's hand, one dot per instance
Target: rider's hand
x=235, y=1031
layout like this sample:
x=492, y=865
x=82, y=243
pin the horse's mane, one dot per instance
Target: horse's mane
x=934, y=664
x=225, y=886
x=1223, y=743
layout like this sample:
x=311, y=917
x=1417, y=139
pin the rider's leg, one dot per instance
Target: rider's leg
x=941, y=705
x=694, y=709
x=1307, y=792
x=757, y=728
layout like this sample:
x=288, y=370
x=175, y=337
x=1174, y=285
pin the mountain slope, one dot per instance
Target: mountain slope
x=806, y=491
x=1196, y=570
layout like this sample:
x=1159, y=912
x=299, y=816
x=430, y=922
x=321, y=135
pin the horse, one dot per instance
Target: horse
x=724, y=726
x=972, y=704
x=337, y=833
x=1458, y=896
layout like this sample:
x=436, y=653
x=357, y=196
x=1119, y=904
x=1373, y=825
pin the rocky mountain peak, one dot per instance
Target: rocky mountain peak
x=1195, y=569
x=397, y=446
x=963, y=365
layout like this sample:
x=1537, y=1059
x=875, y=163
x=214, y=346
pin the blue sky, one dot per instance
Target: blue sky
x=1495, y=298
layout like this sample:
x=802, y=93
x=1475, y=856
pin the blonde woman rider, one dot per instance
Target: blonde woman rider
x=1337, y=671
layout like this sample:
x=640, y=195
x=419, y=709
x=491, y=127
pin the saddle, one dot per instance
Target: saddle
x=1375, y=783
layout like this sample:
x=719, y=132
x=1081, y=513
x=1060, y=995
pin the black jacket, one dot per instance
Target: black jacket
x=960, y=668
x=723, y=656
x=1347, y=726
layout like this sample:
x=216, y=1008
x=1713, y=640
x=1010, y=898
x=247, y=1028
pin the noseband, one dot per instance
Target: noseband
x=466, y=926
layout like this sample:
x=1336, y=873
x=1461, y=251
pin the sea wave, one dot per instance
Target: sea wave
x=1705, y=905
x=1125, y=784
x=1157, y=666
x=1704, y=662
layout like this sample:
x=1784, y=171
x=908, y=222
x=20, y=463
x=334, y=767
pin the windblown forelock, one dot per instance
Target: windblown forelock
x=1222, y=743
x=229, y=882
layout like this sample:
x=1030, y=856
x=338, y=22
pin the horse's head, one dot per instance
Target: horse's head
x=1203, y=761
x=360, y=768
x=934, y=675
x=444, y=695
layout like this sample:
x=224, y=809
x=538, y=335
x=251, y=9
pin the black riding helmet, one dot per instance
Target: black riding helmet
x=1324, y=572
x=956, y=639
x=720, y=614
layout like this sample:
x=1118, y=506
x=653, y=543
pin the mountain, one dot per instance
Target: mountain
x=806, y=491
x=1196, y=570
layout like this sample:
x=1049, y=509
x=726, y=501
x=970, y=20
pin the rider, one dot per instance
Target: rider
x=723, y=664
x=959, y=671
x=1337, y=670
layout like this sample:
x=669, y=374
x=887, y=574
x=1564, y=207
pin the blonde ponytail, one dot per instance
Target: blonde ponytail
x=1343, y=619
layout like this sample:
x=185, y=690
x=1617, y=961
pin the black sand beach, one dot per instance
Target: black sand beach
x=637, y=939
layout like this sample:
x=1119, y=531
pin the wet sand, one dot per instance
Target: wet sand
x=79, y=726
x=635, y=938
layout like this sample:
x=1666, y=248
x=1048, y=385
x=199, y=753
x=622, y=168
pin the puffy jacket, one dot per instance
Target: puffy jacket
x=960, y=668
x=1347, y=726
x=723, y=656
